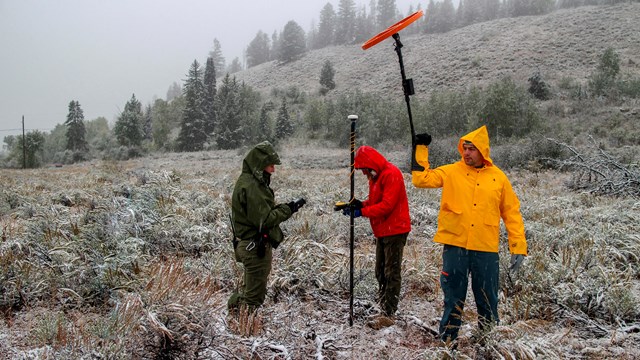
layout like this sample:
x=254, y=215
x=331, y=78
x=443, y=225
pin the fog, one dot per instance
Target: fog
x=101, y=52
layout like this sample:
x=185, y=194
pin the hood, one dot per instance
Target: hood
x=258, y=158
x=479, y=138
x=369, y=158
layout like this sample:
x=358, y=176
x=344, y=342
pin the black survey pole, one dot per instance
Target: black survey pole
x=352, y=138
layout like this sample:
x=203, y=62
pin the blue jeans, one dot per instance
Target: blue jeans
x=457, y=264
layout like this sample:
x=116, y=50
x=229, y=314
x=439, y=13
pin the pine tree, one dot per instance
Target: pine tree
x=249, y=104
x=193, y=134
x=209, y=100
x=365, y=24
x=217, y=56
x=471, y=13
x=314, y=118
x=258, y=50
x=326, y=77
x=429, y=17
x=76, y=133
x=490, y=9
x=174, y=91
x=229, y=134
x=326, y=28
x=284, y=128
x=147, y=125
x=447, y=16
x=292, y=42
x=312, y=35
x=415, y=27
x=346, y=22
x=386, y=13
x=264, y=124
x=528, y=7
x=235, y=66
x=128, y=128
x=275, y=46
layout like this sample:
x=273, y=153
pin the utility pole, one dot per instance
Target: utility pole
x=24, y=147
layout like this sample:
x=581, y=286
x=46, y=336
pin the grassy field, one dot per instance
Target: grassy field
x=110, y=260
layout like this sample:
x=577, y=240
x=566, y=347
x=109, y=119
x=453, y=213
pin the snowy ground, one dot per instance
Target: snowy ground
x=132, y=260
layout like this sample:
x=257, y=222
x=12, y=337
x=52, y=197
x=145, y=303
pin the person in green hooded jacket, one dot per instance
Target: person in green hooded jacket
x=256, y=220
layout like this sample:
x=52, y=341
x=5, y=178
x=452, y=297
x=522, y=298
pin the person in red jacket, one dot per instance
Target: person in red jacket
x=388, y=211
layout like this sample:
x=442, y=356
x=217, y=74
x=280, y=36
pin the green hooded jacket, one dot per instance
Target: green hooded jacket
x=253, y=203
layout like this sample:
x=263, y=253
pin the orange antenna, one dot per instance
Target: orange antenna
x=393, y=29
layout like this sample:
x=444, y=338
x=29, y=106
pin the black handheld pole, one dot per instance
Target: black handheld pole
x=407, y=84
x=352, y=137
x=407, y=87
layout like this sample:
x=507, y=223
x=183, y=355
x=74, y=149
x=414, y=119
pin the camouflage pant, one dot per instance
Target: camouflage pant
x=256, y=273
x=388, y=271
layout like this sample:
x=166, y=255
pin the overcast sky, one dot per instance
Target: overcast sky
x=100, y=52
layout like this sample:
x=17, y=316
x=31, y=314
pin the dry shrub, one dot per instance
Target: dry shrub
x=597, y=172
x=582, y=264
x=148, y=274
x=171, y=316
x=246, y=322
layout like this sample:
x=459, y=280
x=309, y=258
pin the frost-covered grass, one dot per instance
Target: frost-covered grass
x=132, y=260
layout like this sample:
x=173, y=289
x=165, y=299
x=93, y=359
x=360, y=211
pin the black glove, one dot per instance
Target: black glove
x=296, y=204
x=356, y=204
x=423, y=139
x=420, y=139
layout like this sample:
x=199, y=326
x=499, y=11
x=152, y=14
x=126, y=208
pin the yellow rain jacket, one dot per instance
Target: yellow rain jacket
x=473, y=200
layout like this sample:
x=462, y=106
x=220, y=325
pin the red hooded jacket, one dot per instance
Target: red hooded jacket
x=387, y=206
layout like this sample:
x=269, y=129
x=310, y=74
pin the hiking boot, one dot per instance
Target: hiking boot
x=380, y=322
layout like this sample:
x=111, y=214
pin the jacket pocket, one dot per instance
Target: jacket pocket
x=450, y=221
x=492, y=218
x=491, y=235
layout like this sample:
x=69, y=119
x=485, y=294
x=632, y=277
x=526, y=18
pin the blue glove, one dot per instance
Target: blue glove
x=516, y=262
x=356, y=212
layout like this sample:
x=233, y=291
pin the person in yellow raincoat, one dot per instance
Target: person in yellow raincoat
x=476, y=194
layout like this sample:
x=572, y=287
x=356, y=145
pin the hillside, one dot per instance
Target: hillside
x=565, y=43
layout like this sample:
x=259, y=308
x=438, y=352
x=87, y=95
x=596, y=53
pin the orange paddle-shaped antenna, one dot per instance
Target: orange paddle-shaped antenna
x=392, y=29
